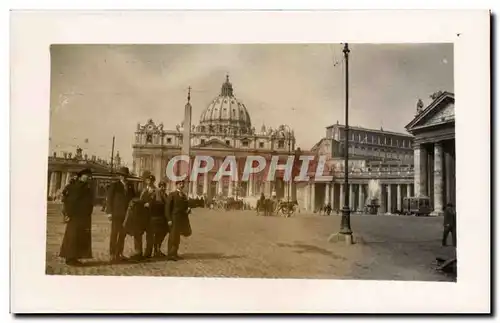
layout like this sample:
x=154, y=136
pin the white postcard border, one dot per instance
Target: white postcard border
x=33, y=291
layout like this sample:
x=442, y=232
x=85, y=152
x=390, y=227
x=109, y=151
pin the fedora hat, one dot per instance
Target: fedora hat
x=85, y=171
x=123, y=171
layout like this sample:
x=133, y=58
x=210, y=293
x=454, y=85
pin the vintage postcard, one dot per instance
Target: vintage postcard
x=324, y=164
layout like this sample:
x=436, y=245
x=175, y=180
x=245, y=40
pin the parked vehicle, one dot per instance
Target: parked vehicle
x=418, y=206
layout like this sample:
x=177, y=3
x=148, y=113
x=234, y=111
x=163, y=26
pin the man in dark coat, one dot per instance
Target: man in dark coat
x=77, y=241
x=157, y=228
x=119, y=195
x=177, y=212
x=450, y=225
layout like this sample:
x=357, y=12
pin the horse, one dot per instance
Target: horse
x=287, y=208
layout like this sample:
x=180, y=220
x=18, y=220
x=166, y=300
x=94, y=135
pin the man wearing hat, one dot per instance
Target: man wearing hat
x=177, y=212
x=79, y=204
x=157, y=228
x=119, y=195
x=449, y=225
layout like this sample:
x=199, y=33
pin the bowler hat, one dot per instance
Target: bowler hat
x=86, y=171
x=123, y=171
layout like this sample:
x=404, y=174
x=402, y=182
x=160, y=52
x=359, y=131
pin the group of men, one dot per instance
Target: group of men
x=153, y=212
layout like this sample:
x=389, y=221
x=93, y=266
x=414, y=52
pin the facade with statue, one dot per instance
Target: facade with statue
x=225, y=128
x=434, y=150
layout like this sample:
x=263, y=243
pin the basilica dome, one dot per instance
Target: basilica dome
x=225, y=113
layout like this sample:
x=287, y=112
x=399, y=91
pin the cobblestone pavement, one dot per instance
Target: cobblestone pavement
x=241, y=244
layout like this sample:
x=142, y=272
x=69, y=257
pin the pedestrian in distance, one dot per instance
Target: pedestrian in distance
x=449, y=225
x=79, y=204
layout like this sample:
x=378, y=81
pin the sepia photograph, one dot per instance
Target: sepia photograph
x=252, y=169
x=122, y=114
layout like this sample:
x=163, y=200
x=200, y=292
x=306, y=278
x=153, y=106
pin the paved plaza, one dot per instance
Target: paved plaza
x=241, y=244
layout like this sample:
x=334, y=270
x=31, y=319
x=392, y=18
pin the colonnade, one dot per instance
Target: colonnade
x=57, y=180
x=435, y=173
x=389, y=196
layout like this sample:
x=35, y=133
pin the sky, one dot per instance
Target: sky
x=101, y=91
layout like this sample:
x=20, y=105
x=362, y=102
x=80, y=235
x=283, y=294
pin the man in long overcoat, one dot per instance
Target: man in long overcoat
x=177, y=212
x=119, y=195
x=449, y=225
x=77, y=241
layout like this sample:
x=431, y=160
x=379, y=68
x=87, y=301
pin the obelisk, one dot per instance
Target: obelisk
x=186, y=136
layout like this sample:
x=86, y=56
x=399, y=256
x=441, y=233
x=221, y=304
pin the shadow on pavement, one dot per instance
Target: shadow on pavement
x=305, y=248
x=208, y=256
x=97, y=263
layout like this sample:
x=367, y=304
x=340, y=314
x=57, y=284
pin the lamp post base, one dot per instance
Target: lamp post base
x=345, y=233
x=341, y=237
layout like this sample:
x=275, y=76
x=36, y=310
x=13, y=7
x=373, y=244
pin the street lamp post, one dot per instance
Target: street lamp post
x=345, y=226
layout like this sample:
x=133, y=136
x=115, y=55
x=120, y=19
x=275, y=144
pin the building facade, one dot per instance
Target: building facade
x=225, y=128
x=434, y=150
x=370, y=144
x=62, y=167
x=380, y=167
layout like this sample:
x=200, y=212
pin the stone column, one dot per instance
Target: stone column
x=63, y=180
x=327, y=193
x=389, y=199
x=250, y=185
x=205, y=184
x=398, y=203
x=420, y=169
x=352, y=197
x=157, y=169
x=52, y=184
x=438, y=178
x=68, y=178
x=307, y=197
x=382, y=199
x=219, y=187
x=230, y=188
x=361, y=198
x=195, y=186
x=313, y=196
x=341, y=197
x=332, y=195
x=408, y=190
x=449, y=177
x=267, y=188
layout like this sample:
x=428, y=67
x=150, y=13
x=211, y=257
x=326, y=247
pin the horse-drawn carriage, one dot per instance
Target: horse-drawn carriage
x=226, y=203
x=287, y=208
x=270, y=206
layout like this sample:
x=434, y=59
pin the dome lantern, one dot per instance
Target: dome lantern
x=227, y=88
x=226, y=113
